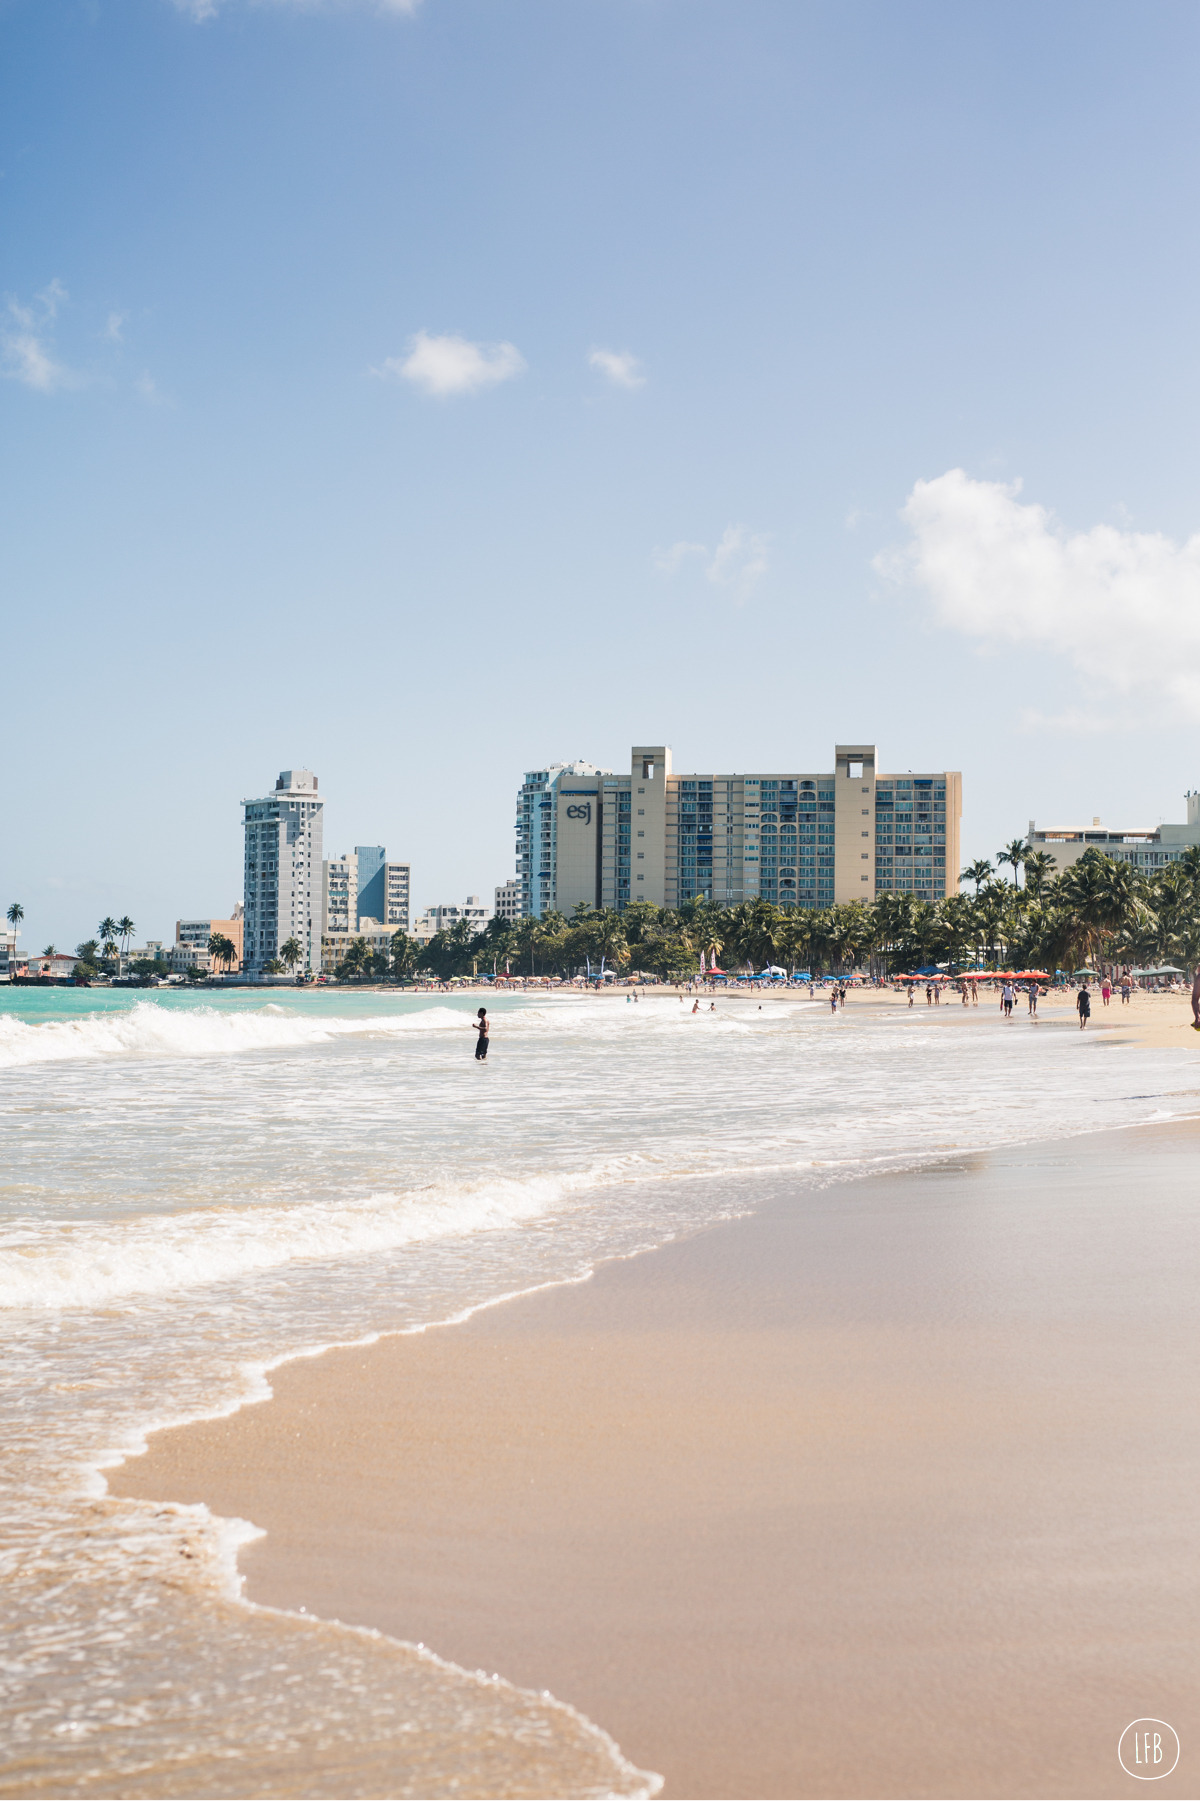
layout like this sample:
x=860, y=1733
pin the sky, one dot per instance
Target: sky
x=424, y=393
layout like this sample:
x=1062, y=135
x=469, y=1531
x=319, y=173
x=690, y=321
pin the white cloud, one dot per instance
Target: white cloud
x=25, y=351
x=201, y=10
x=113, y=330
x=668, y=561
x=1122, y=606
x=620, y=366
x=738, y=562
x=51, y=298
x=450, y=365
x=27, y=360
x=148, y=388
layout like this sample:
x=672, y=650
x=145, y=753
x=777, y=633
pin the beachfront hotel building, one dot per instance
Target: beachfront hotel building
x=283, y=873
x=795, y=838
x=1146, y=847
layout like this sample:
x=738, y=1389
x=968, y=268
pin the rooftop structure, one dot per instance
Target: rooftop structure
x=1147, y=847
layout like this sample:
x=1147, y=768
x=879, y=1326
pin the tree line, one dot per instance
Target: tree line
x=1098, y=912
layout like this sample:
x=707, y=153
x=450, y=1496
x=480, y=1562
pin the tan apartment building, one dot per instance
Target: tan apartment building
x=795, y=838
x=192, y=936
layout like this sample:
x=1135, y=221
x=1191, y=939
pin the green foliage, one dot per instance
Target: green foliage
x=1100, y=910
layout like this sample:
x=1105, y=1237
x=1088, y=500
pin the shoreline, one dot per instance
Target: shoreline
x=449, y=1520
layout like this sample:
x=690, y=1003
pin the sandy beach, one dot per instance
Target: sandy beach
x=885, y=1489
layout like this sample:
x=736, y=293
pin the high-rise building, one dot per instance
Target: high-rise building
x=361, y=885
x=370, y=860
x=339, y=893
x=794, y=838
x=397, y=883
x=283, y=872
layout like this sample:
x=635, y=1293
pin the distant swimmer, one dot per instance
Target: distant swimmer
x=833, y=1001
x=712, y=1005
x=481, y=1043
x=1083, y=1001
x=695, y=1008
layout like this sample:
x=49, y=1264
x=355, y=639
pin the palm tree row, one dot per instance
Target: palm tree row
x=1098, y=912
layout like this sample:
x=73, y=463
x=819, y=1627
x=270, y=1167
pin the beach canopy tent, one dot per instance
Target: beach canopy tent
x=773, y=969
x=1166, y=970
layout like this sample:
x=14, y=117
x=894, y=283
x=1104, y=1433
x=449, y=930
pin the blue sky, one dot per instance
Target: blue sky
x=425, y=394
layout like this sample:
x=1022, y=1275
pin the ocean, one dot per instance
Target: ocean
x=194, y=1190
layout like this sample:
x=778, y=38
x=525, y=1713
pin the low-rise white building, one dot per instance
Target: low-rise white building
x=1147, y=847
x=509, y=902
x=334, y=945
x=8, y=951
x=441, y=918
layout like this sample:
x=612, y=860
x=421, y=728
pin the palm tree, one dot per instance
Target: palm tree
x=291, y=952
x=355, y=961
x=126, y=928
x=16, y=914
x=977, y=872
x=108, y=930
x=1039, y=867
x=1015, y=853
x=222, y=950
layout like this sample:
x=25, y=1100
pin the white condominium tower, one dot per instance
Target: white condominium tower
x=283, y=873
x=795, y=838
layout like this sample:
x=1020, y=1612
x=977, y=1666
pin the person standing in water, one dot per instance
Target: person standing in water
x=481, y=1043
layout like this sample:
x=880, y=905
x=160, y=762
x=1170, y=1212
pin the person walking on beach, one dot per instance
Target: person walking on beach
x=833, y=1000
x=1106, y=991
x=481, y=1043
x=1126, y=990
x=1006, y=999
x=1196, y=1001
x=911, y=994
x=1033, y=1000
x=1083, y=1001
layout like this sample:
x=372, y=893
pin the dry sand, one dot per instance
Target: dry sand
x=887, y=1490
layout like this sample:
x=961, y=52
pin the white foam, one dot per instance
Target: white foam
x=67, y=1267
x=150, y=1030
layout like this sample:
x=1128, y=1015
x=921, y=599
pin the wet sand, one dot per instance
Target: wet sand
x=889, y=1489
